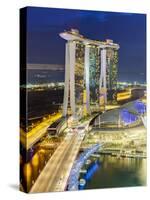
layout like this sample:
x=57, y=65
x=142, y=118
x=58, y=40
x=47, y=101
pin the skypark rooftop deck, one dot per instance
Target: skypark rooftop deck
x=75, y=36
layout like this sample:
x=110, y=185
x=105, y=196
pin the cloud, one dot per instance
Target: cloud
x=53, y=67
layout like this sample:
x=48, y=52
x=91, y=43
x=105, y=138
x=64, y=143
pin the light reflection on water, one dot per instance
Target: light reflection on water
x=113, y=172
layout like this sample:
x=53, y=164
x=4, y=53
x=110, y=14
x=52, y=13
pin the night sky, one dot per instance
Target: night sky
x=45, y=46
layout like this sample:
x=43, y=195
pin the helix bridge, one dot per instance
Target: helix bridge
x=73, y=182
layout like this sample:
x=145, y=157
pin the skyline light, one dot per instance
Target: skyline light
x=127, y=29
x=75, y=111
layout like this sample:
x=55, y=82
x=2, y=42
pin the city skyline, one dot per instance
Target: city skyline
x=127, y=29
x=74, y=124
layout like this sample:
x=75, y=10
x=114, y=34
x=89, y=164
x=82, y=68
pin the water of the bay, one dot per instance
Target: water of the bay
x=111, y=171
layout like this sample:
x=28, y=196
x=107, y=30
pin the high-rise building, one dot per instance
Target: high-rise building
x=112, y=69
x=90, y=69
x=79, y=77
x=94, y=75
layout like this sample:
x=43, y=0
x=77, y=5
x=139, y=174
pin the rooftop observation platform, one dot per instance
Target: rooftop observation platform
x=74, y=35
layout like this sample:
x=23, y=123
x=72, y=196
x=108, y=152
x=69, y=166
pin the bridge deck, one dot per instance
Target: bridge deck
x=55, y=175
x=30, y=138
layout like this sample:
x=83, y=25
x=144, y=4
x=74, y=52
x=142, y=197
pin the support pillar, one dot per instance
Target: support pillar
x=72, y=47
x=103, y=84
x=67, y=79
x=86, y=73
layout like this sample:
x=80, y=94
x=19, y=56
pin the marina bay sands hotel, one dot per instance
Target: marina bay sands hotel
x=90, y=71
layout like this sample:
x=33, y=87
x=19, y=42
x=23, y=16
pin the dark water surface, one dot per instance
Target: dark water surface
x=118, y=172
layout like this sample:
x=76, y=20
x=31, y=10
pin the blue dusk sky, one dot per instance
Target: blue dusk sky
x=45, y=46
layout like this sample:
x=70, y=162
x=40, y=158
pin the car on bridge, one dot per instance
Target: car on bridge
x=81, y=127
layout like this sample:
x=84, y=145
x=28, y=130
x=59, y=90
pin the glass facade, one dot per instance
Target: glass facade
x=94, y=74
x=112, y=69
x=127, y=118
x=79, y=76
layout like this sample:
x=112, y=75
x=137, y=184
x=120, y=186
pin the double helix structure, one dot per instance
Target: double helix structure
x=73, y=181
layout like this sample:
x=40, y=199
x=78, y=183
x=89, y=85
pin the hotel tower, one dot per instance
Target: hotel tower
x=90, y=70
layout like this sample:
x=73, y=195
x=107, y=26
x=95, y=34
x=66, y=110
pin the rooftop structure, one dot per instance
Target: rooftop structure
x=74, y=35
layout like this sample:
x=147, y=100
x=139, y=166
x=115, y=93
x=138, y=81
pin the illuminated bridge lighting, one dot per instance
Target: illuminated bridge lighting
x=127, y=118
x=91, y=171
x=140, y=107
x=75, y=172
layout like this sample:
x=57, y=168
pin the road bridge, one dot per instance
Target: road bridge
x=33, y=136
x=55, y=175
